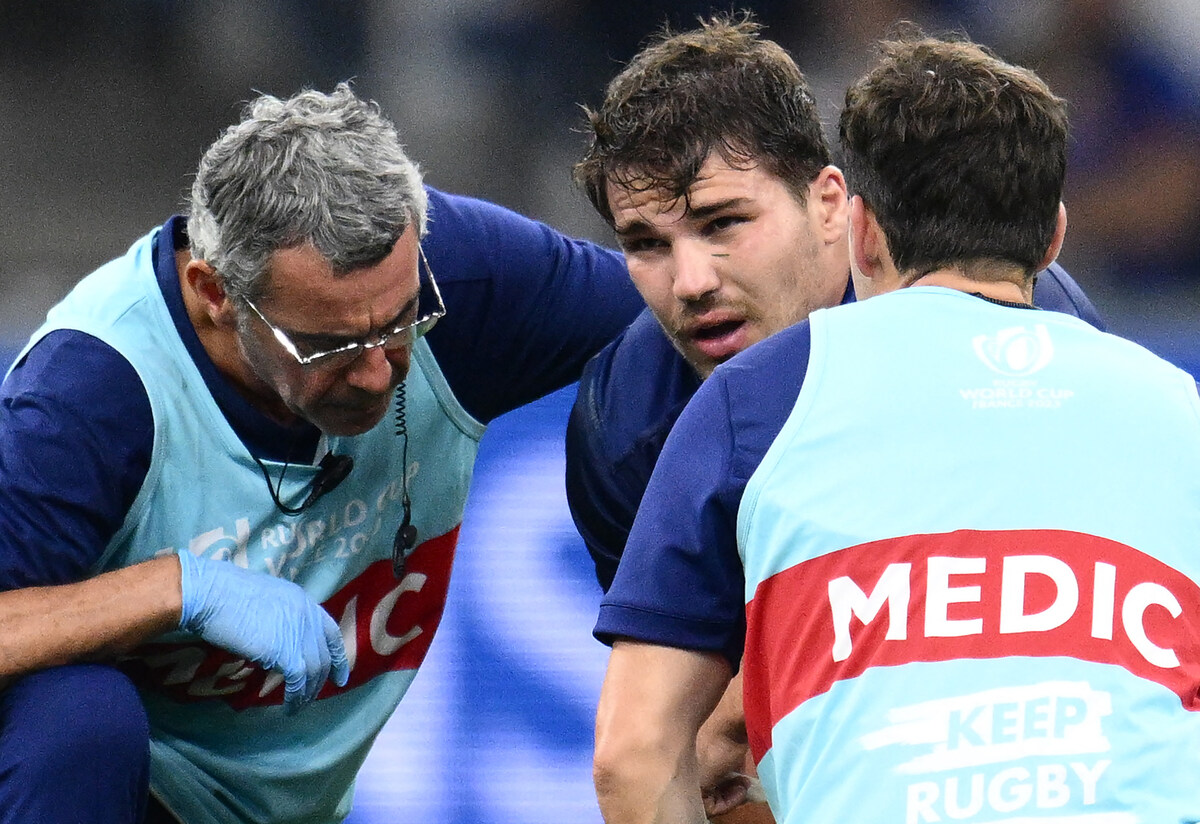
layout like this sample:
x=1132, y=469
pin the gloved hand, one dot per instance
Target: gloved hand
x=272, y=622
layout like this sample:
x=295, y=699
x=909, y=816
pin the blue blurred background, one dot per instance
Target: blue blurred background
x=108, y=105
x=498, y=724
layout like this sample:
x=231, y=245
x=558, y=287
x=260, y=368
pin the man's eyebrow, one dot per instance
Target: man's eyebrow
x=633, y=227
x=411, y=304
x=710, y=209
x=638, y=226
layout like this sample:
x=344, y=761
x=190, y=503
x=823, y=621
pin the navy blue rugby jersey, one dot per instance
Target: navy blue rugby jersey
x=630, y=396
x=526, y=308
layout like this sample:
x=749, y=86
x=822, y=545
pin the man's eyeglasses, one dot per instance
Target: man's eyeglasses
x=318, y=353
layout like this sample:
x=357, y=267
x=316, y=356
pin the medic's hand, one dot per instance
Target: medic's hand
x=270, y=621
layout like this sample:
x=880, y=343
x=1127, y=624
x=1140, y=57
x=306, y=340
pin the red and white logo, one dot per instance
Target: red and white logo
x=966, y=594
x=387, y=625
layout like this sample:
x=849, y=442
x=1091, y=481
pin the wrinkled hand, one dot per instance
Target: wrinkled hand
x=272, y=622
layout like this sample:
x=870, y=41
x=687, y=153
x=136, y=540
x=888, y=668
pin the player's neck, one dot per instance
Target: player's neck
x=1007, y=289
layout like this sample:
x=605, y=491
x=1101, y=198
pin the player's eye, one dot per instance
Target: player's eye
x=634, y=245
x=723, y=223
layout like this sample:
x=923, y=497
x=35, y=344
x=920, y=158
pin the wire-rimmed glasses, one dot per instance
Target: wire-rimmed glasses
x=430, y=309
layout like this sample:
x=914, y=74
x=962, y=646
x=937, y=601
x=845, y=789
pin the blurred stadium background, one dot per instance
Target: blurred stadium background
x=108, y=105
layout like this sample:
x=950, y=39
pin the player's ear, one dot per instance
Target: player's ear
x=1056, y=243
x=207, y=286
x=868, y=247
x=871, y=265
x=827, y=195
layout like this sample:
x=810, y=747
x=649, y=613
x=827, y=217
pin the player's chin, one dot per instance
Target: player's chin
x=699, y=361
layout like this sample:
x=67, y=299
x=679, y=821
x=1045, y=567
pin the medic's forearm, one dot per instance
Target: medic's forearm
x=90, y=620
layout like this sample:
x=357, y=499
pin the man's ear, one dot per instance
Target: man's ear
x=827, y=194
x=868, y=247
x=1060, y=233
x=209, y=291
x=871, y=265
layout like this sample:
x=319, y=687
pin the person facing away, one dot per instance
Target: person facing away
x=948, y=537
x=235, y=461
x=709, y=160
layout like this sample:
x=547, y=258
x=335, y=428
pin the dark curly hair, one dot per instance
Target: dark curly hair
x=720, y=87
x=960, y=155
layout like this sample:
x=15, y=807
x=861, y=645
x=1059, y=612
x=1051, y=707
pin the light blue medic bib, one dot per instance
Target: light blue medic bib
x=222, y=747
x=972, y=557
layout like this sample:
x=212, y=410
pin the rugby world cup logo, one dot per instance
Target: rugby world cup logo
x=1015, y=352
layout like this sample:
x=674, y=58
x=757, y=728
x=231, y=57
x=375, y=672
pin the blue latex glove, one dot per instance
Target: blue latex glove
x=272, y=622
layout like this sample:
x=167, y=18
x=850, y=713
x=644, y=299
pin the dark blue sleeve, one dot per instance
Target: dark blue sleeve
x=629, y=398
x=526, y=305
x=75, y=441
x=602, y=504
x=1057, y=291
x=680, y=582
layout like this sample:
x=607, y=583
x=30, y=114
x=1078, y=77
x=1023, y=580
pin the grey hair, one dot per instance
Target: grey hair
x=325, y=169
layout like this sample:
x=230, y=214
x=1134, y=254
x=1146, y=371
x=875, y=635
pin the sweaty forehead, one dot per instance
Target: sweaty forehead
x=638, y=202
